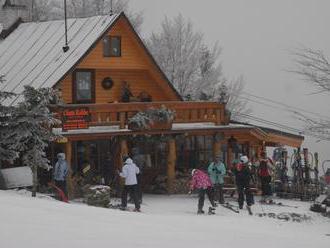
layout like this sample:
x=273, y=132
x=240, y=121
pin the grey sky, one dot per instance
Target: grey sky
x=256, y=36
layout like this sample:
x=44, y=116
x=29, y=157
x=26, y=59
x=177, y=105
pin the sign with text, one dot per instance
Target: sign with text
x=75, y=118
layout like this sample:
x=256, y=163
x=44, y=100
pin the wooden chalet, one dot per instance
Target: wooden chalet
x=107, y=58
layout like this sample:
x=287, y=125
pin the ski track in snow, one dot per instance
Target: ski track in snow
x=165, y=221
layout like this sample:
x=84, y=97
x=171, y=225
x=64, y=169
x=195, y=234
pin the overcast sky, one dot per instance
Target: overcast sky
x=256, y=37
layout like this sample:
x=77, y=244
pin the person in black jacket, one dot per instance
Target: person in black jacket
x=242, y=176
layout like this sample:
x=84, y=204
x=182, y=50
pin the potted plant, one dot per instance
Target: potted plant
x=160, y=119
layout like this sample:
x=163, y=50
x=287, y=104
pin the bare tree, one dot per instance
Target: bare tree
x=192, y=66
x=314, y=67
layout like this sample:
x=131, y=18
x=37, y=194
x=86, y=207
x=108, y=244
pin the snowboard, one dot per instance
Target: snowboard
x=59, y=192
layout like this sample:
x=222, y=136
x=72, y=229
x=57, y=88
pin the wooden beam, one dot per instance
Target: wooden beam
x=216, y=148
x=171, y=160
x=123, y=149
x=229, y=156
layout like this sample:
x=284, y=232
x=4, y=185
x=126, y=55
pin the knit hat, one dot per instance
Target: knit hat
x=125, y=157
x=61, y=156
x=244, y=159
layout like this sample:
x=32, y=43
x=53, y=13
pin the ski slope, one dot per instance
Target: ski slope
x=166, y=221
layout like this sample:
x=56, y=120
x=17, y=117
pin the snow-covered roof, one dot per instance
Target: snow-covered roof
x=13, y=2
x=175, y=127
x=32, y=54
x=258, y=132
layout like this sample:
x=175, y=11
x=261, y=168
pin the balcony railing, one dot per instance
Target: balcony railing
x=119, y=113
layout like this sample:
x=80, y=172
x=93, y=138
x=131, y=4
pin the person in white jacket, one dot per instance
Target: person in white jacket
x=129, y=172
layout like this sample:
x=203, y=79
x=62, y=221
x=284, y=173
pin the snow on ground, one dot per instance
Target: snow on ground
x=166, y=221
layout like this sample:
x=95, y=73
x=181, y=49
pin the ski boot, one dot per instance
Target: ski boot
x=211, y=210
x=123, y=208
x=249, y=209
x=200, y=212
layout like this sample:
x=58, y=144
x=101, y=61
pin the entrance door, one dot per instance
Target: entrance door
x=95, y=160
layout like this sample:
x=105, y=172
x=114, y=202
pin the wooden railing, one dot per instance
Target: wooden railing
x=119, y=113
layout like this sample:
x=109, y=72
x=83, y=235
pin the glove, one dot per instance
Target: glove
x=189, y=193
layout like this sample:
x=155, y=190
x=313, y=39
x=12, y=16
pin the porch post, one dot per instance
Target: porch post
x=68, y=154
x=123, y=150
x=171, y=159
x=216, y=148
x=229, y=156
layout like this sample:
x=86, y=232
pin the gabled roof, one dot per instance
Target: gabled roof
x=32, y=54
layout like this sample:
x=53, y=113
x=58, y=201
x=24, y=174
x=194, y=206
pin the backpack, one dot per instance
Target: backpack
x=263, y=169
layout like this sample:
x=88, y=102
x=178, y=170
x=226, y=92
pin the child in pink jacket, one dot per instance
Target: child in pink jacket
x=201, y=181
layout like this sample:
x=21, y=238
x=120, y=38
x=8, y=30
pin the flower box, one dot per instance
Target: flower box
x=155, y=125
x=152, y=119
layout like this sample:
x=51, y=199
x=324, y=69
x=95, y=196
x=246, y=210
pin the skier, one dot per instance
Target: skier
x=217, y=171
x=242, y=177
x=129, y=172
x=201, y=181
x=61, y=172
x=264, y=172
x=139, y=160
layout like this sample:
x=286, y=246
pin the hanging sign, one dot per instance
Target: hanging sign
x=75, y=118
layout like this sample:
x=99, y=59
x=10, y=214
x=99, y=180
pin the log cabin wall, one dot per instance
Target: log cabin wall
x=133, y=66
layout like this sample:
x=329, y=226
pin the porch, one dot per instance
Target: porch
x=118, y=114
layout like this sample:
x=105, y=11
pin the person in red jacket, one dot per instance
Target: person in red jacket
x=264, y=173
x=201, y=181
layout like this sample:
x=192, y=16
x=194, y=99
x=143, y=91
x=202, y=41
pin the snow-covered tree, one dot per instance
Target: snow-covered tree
x=230, y=93
x=178, y=50
x=53, y=9
x=314, y=67
x=192, y=66
x=33, y=123
x=7, y=145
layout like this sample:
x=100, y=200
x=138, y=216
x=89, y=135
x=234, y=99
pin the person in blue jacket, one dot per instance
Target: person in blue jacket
x=61, y=172
x=217, y=172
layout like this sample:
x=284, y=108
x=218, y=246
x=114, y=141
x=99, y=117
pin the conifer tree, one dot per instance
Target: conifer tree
x=7, y=145
x=33, y=128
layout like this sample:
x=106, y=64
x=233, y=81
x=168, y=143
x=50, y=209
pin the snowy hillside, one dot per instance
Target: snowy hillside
x=166, y=221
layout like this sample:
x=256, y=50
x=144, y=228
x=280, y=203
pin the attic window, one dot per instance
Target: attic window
x=112, y=46
x=84, y=86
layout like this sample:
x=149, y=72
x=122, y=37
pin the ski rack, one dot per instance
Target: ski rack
x=302, y=185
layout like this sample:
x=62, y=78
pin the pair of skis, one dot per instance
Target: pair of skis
x=119, y=207
x=234, y=208
x=230, y=207
x=272, y=203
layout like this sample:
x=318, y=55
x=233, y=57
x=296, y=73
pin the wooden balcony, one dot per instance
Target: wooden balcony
x=119, y=113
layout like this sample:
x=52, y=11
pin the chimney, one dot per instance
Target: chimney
x=13, y=10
